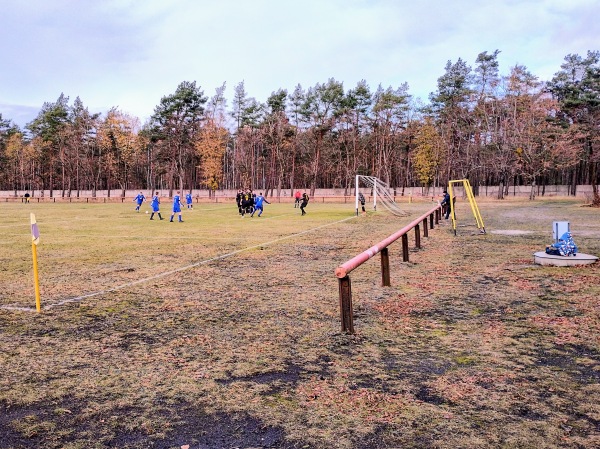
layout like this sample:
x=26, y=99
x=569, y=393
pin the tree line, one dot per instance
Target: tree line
x=492, y=129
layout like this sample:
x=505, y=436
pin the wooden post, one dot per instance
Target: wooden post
x=405, y=248
x=430, y=221
x=418, y=236
x=346, y=305
x=437, y=216
x=425, y=228
x=385, y=268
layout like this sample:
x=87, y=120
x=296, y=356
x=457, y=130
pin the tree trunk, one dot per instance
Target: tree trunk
x=501, y=190
x=595, y=193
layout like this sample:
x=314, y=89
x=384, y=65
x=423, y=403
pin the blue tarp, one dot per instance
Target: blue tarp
x=564, y=247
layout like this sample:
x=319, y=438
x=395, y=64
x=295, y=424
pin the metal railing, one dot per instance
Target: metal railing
x=341, y=272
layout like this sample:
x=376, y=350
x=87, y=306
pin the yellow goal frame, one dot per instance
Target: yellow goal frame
x=474, y=208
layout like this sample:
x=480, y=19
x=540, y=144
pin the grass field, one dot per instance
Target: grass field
x=223, y=331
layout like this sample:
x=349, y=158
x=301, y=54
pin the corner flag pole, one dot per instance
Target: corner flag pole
x=35, y=239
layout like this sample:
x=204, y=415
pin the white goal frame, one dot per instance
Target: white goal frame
x=381, y=192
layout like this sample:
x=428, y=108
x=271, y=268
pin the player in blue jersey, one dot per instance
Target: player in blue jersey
x=188, y=200
x=139, y=200
x=155, y=206
x=258, y=204
x=176, y=207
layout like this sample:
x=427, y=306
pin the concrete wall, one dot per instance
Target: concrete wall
x=583, y=191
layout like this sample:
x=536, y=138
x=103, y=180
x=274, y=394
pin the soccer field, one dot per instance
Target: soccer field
x=224, y=331
x=86, y=249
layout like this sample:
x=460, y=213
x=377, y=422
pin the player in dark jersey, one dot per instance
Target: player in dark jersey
x=238, y=200
x=304, y=203
x=247, y=203
x=361, y=200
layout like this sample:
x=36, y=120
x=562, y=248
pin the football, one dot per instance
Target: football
x=146, y=211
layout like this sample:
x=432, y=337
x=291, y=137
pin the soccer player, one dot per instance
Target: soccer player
x=304, y=203
x=258, y=204
x=139, y=200
x=188, y=200
x=445, y=204
x=247, y=203
x=155, y=206
x=361, y=200
x=238, y=200
x=297, y=196
x=176, y=207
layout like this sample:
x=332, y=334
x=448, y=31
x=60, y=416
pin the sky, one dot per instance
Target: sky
x=128, y=54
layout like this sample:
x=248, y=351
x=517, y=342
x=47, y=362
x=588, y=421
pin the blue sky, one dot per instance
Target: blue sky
x=130, y=53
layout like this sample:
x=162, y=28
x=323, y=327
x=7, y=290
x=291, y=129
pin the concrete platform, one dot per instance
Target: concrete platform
x=541, y=258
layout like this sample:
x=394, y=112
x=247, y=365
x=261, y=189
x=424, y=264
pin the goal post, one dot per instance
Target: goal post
x=474, y=208
x=371, y=185
x=356, y=193
x=378, y=190
x=369, y=188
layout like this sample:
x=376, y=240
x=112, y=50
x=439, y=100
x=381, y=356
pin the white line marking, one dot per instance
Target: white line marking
x=22, y=309
x=269, y=217
x=177, y=270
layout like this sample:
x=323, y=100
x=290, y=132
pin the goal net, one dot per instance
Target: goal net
x=379, y=192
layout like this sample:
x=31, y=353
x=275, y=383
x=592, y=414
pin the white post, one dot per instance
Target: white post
x=356, y=194
x=375, y=193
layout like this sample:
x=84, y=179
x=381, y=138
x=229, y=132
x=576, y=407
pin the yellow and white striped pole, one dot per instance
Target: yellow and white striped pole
x=35, y=239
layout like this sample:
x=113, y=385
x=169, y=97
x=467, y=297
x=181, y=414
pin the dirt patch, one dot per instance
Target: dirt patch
x=510, y=232
x=209, y=431
x=579, y=362
x=44, y=425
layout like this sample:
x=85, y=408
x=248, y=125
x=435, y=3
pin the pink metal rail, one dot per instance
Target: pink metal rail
x=345, y=291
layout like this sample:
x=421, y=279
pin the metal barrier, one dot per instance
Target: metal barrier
x=345, y=290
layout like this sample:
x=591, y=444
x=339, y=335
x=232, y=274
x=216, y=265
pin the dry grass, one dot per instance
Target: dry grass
x=473, y=345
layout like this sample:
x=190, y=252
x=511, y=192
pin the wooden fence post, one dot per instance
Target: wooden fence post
x=385, y=268
x=417, y=236
x=346, y=305
x=425, y=227
x=404, y=248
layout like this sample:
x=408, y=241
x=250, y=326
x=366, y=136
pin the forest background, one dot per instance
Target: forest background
x=492, y=129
